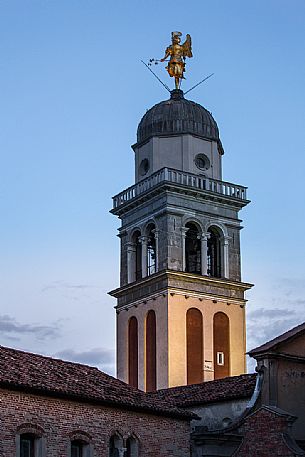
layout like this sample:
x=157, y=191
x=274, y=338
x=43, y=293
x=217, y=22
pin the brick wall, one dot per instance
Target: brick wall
x=60, y=420
x=264, y=435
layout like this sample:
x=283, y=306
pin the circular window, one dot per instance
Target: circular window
x=202, y=162
x=144, y=167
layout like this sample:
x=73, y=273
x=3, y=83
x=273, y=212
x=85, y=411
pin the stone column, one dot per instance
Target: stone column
x=226, y=271
x=131, y=252
x=204, y=253
x=183, y=233
x=143, y=241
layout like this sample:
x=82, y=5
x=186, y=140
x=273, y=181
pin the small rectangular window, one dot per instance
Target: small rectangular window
x=220, y=358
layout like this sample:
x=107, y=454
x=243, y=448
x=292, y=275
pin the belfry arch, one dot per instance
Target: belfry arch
x=215, y=255
x=192, y=248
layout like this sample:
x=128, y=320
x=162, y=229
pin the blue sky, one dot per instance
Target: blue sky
x=72, y=93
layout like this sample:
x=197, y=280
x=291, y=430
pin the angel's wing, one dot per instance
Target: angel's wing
x=187, y=46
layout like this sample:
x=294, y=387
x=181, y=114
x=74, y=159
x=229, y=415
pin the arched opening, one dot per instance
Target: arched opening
x=132, y=447
x=221, y=337
x=133, y=352
x=151, y=250
x=28, y=445
x=78, y=448
x=192, y=249
x=194, y=346
x=137, y=260
x=151, y=362
x=214, y=256
x=115, y=445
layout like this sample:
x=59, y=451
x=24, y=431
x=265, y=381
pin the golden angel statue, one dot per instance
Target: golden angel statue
x=177, y=53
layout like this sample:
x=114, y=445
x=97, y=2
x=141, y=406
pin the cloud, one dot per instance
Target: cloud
x=11, y=328
x=74, y=292
x=102, y=357
x=66, y=285
x=263, y=313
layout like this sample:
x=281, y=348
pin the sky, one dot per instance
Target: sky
x=73, y=91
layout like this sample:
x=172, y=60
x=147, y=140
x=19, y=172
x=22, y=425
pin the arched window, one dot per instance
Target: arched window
x=133, y=352
x=115, y=445
x=192, y=249
x=137, y=260
x=194, y=346
x=132, y=447
x=214, y=255
x=151, y=250
x=79, y=448
x=151, y=363
x=221, y=337
x=28, y=445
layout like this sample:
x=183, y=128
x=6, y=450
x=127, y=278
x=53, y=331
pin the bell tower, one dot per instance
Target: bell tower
x=181, y=302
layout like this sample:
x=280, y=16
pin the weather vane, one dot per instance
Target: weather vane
x=175, y=55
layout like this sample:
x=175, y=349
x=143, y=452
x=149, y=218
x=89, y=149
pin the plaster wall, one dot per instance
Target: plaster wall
x=216, y=416
x=177, y=309
x=177, y=152
x=291, y=393
x=159, y=305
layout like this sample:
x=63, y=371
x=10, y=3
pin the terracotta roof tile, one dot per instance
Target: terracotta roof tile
x=272, y=344
x=38, y=374
x=208, y=392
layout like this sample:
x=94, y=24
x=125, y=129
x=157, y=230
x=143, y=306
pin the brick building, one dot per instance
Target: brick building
x=52, y=408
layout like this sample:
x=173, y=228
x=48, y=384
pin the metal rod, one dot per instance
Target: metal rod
x=163, y=84
x=198, y=83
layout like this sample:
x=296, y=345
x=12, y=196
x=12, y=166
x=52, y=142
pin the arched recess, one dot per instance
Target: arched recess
x=214, y=253
x=151, y=249
x=116, y=445
x=221, y=337
x=192, y=248
x=151, y=352
x=133, y=352
x=132, y=447
x=194, y=346
x=136, y=263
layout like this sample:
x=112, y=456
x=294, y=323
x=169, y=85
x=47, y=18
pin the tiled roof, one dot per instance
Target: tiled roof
x=272, y=344
x=231, y=388
x=42, y=375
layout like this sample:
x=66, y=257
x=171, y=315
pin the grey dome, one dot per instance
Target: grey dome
x=176, y=116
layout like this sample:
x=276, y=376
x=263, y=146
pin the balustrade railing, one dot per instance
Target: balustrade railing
x=184, y=179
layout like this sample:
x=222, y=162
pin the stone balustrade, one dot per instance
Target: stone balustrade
x=181, y=178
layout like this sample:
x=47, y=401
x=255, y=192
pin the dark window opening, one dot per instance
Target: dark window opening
x=131, y=447
x=138, y=255
x=192, y=249
x=27, y=445
x=77, y=448
x=114, y=444
x=214, y=254
x=151, y=252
